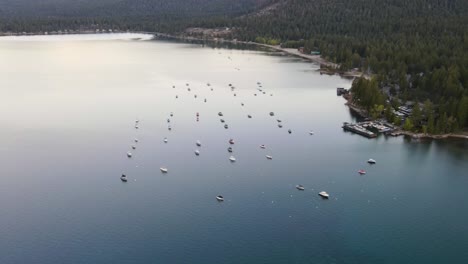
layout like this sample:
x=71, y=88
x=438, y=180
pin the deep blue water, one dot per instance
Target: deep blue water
x=69, y=109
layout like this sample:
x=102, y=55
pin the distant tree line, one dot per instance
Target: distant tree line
x=416, y=50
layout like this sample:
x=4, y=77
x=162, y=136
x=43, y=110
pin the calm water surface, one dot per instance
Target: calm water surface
x=68, y=111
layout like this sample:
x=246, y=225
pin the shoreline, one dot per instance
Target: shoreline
x=292, y=52
x=330, y=67
x=415, y=135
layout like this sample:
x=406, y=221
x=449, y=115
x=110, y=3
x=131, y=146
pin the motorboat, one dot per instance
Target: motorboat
x=176, y=96
x=255, y=94
x=289, y=131
x=205, y=100
x=278, y=120
x=198, y=114
x=232, y=158
x=262, y=146
x=371, y=161
x=242, y=104
x=136, y=127
x=129, y=154
x=195, y=96
x=169, y=128
x=226, y=126
x=133, y=147
x=123, y=178
x=280, y=125
x=324, y=195
x=136, y=140
x=229, y=149
x=222, y=120
x=172, y=114
x=300, y=187
x=197, y=152
x=272, y=114
x=163, y=170
x=235, y=94
x=362, y=172
x=311, y=132
x=165, y=140
x=269, y=157
x=220, y=114
x=220, y=198
x=249, y=116
x=168, y=120
x=198, y=143
x=188, y=89
x=231, y=141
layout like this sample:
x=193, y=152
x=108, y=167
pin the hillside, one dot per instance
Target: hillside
x=417, y=50
x=125, y=8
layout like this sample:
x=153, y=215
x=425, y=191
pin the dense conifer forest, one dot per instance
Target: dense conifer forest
x=414, y=50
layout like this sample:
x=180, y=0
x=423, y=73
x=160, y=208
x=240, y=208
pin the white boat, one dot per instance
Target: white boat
x=168, y=120
x=269, y=157
x=220, y=198
x=198, y=143
x=136, y=140
x=133, y=147
x=262, y=146
x=324, y=195
x=371, y=161
x=165, y=140
x=197, y=152
x=272, y=114
x=300, y=187
x=232, y=158
x=123, y=178
x=311, y=132
x=169, y=128
x=220, y=114
x=136, y=127
x=172, y=114
x=129, y=154
x=164, y=170
x=280, y=125
x=222, y=120
x=226, y=126
x=289, y=131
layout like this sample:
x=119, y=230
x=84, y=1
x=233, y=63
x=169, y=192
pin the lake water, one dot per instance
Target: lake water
x=68, y=113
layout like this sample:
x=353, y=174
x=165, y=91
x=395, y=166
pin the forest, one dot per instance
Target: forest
x=416, y=51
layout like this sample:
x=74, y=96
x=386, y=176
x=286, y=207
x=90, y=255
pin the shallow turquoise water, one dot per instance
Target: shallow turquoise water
x=68, y=120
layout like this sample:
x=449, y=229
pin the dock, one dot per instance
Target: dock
x=371, y=129
x=360, y=130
